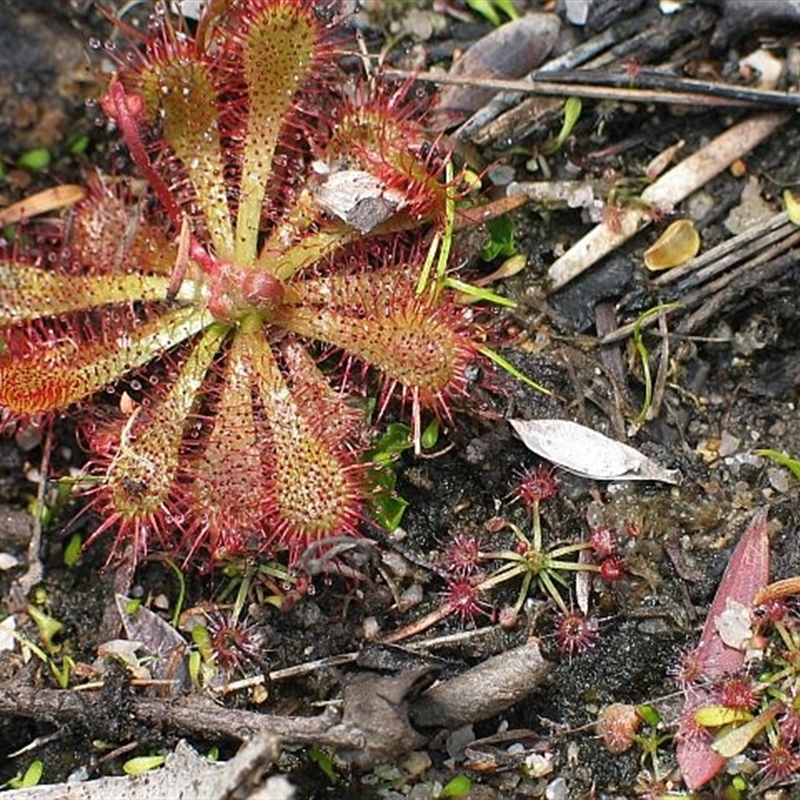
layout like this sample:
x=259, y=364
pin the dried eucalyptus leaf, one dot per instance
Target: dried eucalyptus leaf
x=587, y=453
x=159, y=639
x=510, y=51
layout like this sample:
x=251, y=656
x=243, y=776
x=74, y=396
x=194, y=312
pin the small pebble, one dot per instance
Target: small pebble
x=412, y=595
x=728, y=444
x=779, y=479
x=415, y=763
x=557, y=790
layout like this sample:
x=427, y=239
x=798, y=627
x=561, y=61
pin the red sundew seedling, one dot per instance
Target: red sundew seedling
x=687, y=669
x=280, y=222
x=575, y=632
x=536, y=486
x=611, y=569
x=232, y=642
x=689, y=730
x=737, y=692
x=465, y=598
x=618, y=725
x=462, y=555
x=603, y=541
x=779, y=762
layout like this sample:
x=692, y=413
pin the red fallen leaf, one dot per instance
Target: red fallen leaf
x=746, y=575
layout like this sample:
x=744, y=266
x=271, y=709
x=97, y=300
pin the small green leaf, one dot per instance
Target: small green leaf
x=572, y=113
x=325, y=762
x=62, y=674
x=78, y=145
x=202, y=640
x=649, y=715
x=388, y=511
x=785, y=461
x=430, y=435
x=478, y=293
x=387, y=506
x=36, y=159
x=394, y=440
x=490, y=10
x=501, y=240
x=508, y=367
x=717, y=716
x=48, y=626
x=72, y=552
x=195, y=663
x=32, y=776
x=132, y=606
x=141, y=764
x=459, y=786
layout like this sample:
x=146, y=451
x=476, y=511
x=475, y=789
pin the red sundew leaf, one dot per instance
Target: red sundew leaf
x=51, y=375
x=139, y=479
x=28, y=292
x=746, y=575
x=418, y=347
x=183, y=91
x=228, y=494
x=314, y=488
x=281, y=42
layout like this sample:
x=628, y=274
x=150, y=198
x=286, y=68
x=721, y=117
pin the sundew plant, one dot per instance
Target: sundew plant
x=216, y=318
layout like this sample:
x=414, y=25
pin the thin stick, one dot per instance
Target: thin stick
x=670, y=189
x=35, y=571
x=682, y=91
x=748, y=250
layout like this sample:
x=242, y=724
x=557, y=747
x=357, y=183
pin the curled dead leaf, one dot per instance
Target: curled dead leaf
x=676, y=245
x=587, y=453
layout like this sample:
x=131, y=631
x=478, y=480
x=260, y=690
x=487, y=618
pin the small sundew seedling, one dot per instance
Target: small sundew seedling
x=575, y=632
x=471, y=573
x=530, y=559
x=536, y=565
